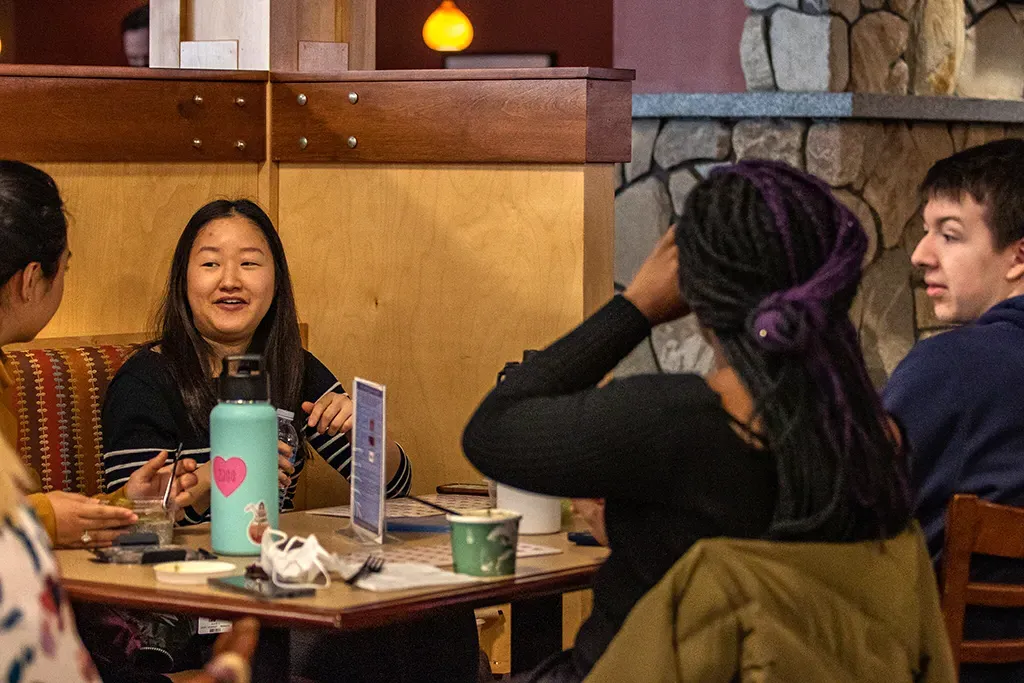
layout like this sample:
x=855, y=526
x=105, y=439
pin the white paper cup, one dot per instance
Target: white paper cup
x=484, y=542
x=541, y=514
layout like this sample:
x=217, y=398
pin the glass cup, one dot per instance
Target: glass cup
x=153, y=518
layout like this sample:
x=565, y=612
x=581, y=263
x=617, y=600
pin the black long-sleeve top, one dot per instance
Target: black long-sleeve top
x=144, y=413
x=661, y=450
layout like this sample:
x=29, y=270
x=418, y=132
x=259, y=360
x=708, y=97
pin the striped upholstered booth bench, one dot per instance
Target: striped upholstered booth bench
x=57, y=398
x=59, y=388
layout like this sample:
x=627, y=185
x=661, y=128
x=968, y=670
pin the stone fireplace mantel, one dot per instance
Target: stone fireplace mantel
x=827, y=105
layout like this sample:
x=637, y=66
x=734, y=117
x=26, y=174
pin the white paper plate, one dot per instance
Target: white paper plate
x=192, y=572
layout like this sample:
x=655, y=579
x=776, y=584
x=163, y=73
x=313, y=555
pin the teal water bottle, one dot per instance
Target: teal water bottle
x=243, y=455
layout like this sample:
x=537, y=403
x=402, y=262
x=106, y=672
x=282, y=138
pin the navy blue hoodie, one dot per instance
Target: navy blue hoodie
x=959, y=400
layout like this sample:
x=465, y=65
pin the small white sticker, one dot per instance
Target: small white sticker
x=211, y=626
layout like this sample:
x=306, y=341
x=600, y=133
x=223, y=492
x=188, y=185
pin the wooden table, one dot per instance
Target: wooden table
x=535, y=591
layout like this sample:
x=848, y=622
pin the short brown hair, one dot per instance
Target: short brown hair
x=993, y=175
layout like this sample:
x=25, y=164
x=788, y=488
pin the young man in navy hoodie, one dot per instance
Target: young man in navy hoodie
x=959, y=397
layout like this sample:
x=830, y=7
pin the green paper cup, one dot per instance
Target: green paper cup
x=484, y=542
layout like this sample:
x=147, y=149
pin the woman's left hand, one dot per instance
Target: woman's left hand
x=592, y=512
x=331, y=414
x=150, y=480
x=285, y=468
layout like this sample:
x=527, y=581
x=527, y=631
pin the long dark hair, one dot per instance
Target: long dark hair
x=770, y=261
x=276, y=337
x=33, y=227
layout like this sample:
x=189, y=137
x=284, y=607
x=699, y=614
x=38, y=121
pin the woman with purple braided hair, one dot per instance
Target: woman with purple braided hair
x=769, y=262
x=785, y=441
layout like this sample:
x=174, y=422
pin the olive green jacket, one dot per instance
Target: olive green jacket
x=762, y=612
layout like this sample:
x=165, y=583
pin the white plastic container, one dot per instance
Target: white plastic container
x=541, y=514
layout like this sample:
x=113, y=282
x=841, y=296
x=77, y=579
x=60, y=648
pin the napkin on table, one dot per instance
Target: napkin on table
x=396, y=576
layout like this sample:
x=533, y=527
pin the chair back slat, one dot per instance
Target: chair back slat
x=978, y=526
x=995, y=595
x=993, y=651
x=999, y=530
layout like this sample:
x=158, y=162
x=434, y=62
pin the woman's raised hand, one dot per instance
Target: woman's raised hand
x=285, y=468
x=332, y=413
x=655, y=287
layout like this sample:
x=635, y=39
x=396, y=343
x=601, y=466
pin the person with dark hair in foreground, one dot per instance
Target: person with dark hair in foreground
x=135, y=36
x=34, y=232
x=955, y=395
x=38, y=639
x=786, y=440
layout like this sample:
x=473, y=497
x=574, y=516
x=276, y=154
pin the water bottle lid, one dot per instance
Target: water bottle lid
x=285, y=415
x=243, y=378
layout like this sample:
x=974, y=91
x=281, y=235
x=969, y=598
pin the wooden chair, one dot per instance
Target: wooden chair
x=978, y=526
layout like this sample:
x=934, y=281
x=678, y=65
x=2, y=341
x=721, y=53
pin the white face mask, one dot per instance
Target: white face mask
x=297, y=564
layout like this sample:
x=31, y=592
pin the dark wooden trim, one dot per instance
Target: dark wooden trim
x=481, y=595
x=285, y=613
x=284, y=35
x=96, y=114
x=103, y=119
x=609, y=121
x=452, y=121
x=226, y=606
x=551, y=73
x=129, y=73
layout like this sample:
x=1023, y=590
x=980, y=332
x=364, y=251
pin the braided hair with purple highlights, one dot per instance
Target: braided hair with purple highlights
x=770, y=261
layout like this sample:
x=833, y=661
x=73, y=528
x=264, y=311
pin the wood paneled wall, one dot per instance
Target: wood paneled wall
x=124, y=222
x=425, y=278
x=429, y=278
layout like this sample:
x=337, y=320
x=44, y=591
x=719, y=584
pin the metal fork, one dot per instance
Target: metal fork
x=372, y=565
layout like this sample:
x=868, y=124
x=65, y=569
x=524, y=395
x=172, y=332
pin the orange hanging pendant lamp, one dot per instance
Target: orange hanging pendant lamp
x=447, y=29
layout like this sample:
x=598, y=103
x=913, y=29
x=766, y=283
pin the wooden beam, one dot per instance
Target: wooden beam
x=317, y=20
x=247, y=21
x=542, y=120
x=356, y=24
x=320, y=57
x=164, y=33
x=171, y=120
x=284, y=35
x=209, y=54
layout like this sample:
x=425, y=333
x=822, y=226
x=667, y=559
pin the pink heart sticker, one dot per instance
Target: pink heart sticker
x=228, y=474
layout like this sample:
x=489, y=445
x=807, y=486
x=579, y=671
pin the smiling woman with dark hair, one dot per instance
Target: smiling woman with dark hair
x=229, y=292
x=37, y=638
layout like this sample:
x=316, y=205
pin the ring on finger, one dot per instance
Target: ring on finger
x=86, y=538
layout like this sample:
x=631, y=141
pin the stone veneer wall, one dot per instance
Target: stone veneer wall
x=874, y=167
x=971, y=48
